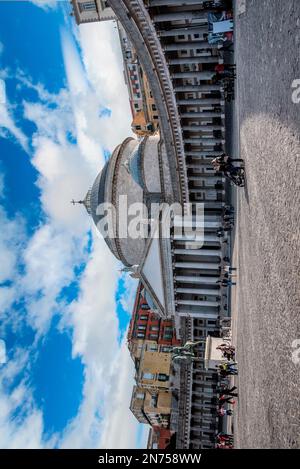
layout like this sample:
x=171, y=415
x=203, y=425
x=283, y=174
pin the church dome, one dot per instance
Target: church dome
x=132, y=175
x=112, y=184
x=135, y=165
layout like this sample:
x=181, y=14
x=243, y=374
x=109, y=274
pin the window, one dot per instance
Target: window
x=137, y=127
x=141, y=327
x=147, y=376
x=136, y=105
x=181, y=36
x=165, y=349
x=154, y=328
x=154, y=400
x=143, y=317
x=87, y=6
x=145, y=306
x=140, y=395
x=153, y=336
x=140, y=335
x=153, y=107
x=168, y=333
x=152, y=348
x=162, y=377
x=196, y=36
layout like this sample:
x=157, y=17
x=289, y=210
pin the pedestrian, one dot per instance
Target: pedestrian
x=224, y=437
x=229, y=270
x=226, y=400
x=225, y=282
x=224, y=446
x=222, y=412
x=229, y=392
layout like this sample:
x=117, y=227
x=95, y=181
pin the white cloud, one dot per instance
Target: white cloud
x=7, y=123
x=11, y=242
x=45, y=4
x=24, y=431
x=66, y=170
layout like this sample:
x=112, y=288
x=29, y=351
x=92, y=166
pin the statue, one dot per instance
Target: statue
x=185, y=352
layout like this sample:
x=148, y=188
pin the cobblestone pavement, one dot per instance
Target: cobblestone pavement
x=267, y=317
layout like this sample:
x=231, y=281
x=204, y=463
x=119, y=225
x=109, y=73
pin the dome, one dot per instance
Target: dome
x=131, y=176
x=135, y=165
x=97, y=193
x=111, y=185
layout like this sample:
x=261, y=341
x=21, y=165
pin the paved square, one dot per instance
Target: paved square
x=267, y=246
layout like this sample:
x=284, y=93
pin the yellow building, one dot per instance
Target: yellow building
x=153, y=408
x=150, y=103
x=140, y=125
x=145, y=120
x=152, y=363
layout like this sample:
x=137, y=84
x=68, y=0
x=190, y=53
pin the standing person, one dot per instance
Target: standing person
x=222, y=412
x=229, y=270
x=225, y=282
x=225, y=400
x=225, y=390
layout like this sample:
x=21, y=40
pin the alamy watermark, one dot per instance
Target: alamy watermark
x=155, y=220
x=296, y=92
x=296, y=351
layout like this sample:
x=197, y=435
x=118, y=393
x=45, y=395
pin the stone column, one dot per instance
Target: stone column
x=197, y=280
x=203, y=154
x=200, y=102
x=197, y=265
x=160, y=3
x=198, y=59
x=187, y=45
x=204, y=141
x=191, y=16
x=198, y=303
x=198, y=252
x=196, y=88
x=200, y=75
x=202, y=128
x=198, y=291
x=173, y=32
x=197, y=315
x=186, y=223
x=191, y=239
x=202, y=115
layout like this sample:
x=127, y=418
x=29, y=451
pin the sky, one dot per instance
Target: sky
x=64, y=304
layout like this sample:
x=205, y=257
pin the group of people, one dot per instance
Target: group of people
x=224, y=441
x=228, y=351
x=224, y=164
x=226, y=369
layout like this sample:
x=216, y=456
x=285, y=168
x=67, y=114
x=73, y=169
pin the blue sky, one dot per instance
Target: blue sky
x=64, y=308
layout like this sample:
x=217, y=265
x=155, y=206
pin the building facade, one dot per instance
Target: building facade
x=89, y=11
x=143, y=108
x=152, y=408
x=172, y=39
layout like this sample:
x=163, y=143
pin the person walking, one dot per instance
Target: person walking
x=226, y=400
x=222, y=412
x=225, y=282
x=225, y=391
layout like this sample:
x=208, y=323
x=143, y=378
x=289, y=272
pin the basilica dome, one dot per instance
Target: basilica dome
x=131, y=175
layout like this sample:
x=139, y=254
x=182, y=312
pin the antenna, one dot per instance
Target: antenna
x=74, y=202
